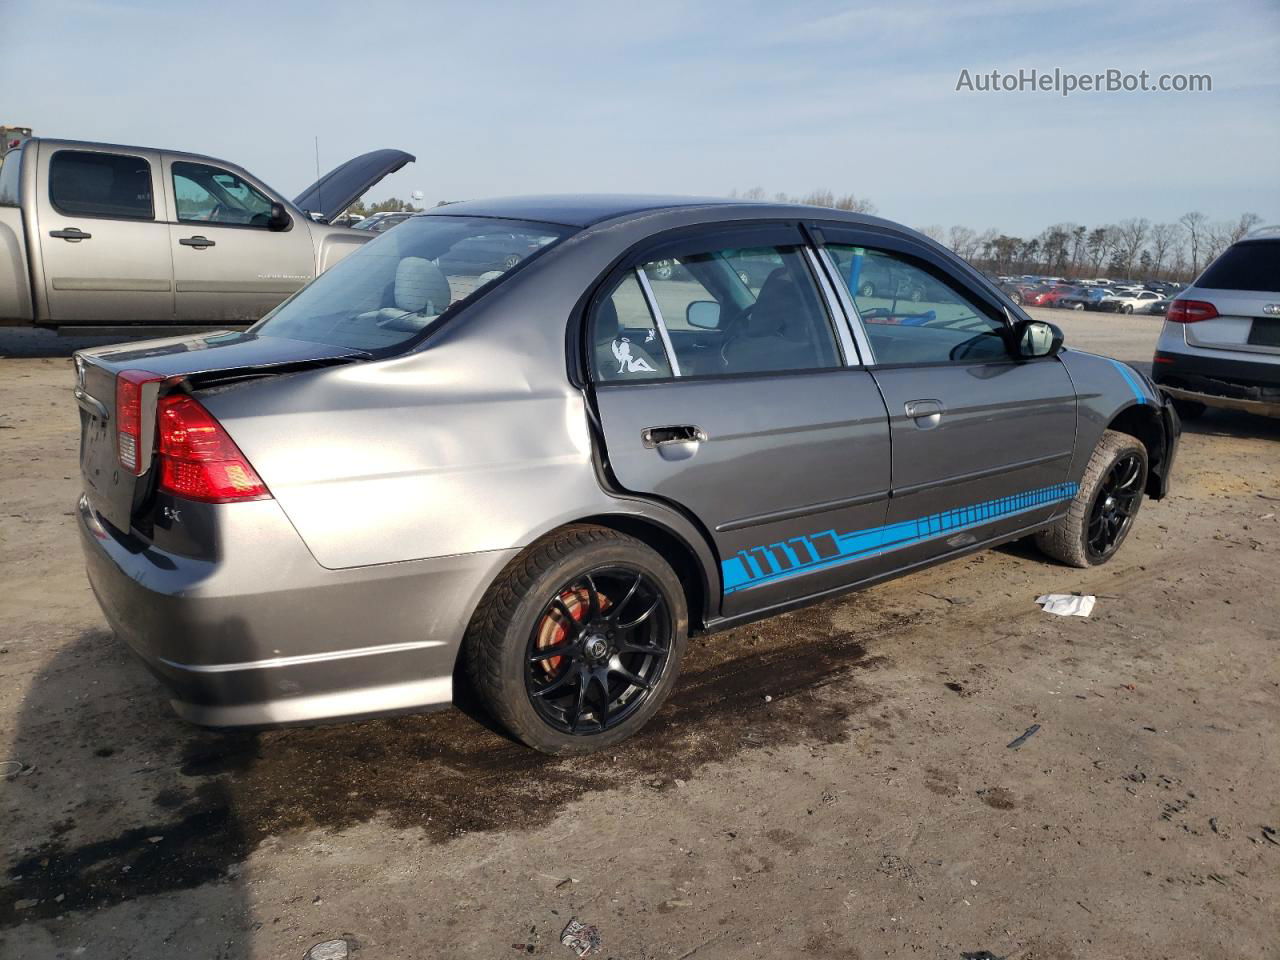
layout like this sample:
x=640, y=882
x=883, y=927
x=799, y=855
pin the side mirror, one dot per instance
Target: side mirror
x=1038, y=339
x=703, y=314
x=279, y=219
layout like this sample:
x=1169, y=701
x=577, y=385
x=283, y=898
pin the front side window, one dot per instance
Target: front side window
x=910, y=316
x=83, y=183
x=205, y=194
x=394, y=287
x=737, y=311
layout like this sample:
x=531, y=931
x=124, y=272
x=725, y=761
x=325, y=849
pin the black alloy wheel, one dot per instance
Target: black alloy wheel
x=598, y=649
x=1114, y=506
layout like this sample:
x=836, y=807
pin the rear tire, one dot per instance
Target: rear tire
x=1103, y=510
x=542, y=602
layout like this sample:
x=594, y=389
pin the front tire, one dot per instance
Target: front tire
x=579, y=641
x=867, y=289
x=1103, y=510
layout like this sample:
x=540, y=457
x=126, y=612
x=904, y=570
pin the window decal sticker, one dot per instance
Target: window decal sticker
x=626, y=362
x=758, y=566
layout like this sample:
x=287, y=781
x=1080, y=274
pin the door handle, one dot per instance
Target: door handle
x=71, y=234
x=653, y=437
x=198, y=242
x=926, y=413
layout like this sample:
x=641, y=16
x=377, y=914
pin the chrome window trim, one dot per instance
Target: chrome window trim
x=672, y=360
x=852, y=355
x=851, y=310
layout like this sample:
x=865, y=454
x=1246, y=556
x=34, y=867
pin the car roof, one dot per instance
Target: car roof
x=585, y=210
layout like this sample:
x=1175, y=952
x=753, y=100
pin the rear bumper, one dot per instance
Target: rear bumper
x=266, y=636
x=1217, y=382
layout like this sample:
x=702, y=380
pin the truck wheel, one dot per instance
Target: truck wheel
x=1103, y=509
x=579, y=641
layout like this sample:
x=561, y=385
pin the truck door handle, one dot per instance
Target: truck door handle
x=653, y=437
x=198, y=242
x=71, y=234
x=926, y=413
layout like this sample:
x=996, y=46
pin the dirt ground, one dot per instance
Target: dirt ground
x=834, y=783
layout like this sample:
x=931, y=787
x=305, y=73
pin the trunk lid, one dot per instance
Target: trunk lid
x=1247, y=321
x=114, y=491
x=344, y=184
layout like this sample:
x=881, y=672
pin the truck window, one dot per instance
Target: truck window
x=206, y=194
x=88, y=184
x=10, y=165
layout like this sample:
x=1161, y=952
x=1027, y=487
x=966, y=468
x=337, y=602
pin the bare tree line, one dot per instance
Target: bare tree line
x=1131, y=249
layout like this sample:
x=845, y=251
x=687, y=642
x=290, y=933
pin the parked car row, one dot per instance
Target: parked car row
x=1089, y=295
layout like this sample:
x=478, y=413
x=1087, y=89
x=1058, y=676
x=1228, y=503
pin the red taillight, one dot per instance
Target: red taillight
x=129, y=387
x=1190, y=311
x=198, y=461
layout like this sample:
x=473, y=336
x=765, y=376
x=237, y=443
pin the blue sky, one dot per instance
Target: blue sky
x=498, y=98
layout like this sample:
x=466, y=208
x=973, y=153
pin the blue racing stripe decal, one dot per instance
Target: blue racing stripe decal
x=1131, y=381
x=758, y=566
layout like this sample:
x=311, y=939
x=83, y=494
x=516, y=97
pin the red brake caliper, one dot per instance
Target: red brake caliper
x=554, y=631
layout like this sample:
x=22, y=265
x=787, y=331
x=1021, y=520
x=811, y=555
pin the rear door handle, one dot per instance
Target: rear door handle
x=926, y=413
x=71, y=234
x=198, y=242
x=664, y=436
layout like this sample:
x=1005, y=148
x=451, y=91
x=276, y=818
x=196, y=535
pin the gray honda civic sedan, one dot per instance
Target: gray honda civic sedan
x=539, y=475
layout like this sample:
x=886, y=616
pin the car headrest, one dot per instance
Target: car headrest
x=778, y=302
x=607, y=326
x=421, y=286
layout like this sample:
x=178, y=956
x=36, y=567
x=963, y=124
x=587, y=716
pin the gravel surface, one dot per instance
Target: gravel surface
x=834, y=783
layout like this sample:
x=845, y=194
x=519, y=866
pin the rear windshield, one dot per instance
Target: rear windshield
x=1246, y=266
x=394, y=287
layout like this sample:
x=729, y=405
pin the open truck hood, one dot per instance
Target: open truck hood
x=114, y=492
x=344, y=184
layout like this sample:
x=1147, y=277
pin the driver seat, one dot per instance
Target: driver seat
x=776, y=335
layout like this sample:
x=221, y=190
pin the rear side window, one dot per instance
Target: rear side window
x=101, y=185
x=725, y=312
x=1254, y=265
x=627, y=343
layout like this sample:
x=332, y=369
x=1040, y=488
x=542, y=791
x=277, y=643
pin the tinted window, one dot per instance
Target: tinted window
x=911, y=316
x=739, y=311
x=100, y=185
x=205, y=194
x=395, y=286
x=1246, y=266
x=626, y=342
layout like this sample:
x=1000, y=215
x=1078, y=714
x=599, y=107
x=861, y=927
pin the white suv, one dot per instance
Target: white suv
x=1220, y=346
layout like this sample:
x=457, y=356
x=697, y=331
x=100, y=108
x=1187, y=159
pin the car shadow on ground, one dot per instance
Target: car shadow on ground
x=116, y=807
x=1233, y=423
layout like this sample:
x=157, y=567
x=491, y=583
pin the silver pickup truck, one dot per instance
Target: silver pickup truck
x=98, y=237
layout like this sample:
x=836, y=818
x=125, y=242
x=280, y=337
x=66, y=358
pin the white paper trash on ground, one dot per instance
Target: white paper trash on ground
x=1067, y=604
